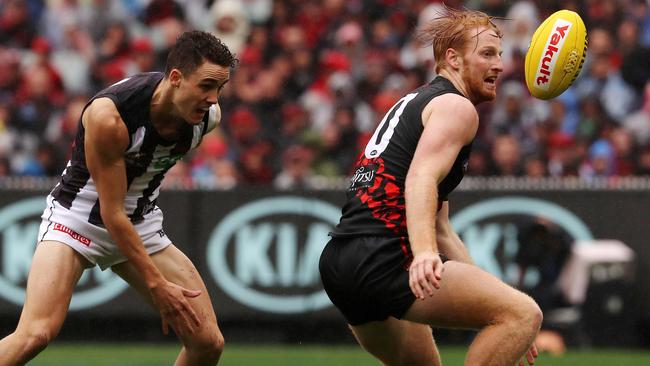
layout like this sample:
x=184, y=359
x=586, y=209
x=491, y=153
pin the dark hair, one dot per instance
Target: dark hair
x=192, y=48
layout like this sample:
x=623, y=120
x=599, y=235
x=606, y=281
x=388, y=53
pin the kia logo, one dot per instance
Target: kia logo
x=265, y=254
x=489, y=230
x=19, y=223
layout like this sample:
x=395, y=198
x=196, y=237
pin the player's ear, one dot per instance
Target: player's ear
x=175, y=77
x=453, y=58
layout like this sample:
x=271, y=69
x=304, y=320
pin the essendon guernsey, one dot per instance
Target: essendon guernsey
x=375, y=198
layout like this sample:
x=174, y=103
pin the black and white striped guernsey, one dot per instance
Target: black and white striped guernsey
x=147, y=158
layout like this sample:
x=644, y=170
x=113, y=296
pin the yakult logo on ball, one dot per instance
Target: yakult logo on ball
x=19, y=222
x=552, y=50
x=265, y=253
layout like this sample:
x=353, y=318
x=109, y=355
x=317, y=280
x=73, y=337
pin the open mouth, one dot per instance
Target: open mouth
x=202, y=110
x=491, y=80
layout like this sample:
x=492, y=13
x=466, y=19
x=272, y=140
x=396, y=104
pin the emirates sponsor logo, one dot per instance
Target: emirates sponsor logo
x=549, y=58
x=73, y=234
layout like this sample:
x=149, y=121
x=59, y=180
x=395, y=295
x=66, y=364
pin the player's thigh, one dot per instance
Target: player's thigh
x=177, y=268
x=469, y=297
x=54, y=272
x=398, y=342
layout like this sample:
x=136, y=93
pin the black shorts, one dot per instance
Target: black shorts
x=366, y=277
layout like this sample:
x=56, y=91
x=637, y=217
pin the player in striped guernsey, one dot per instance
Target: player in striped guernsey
x=103, y=211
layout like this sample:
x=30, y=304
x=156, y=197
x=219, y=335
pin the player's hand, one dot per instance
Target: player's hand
x=425, y=274
x=175, y=310
x=531, y=355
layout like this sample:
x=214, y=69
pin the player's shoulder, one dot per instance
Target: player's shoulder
x=102, y=113
x=137, y=80
x=452, y=106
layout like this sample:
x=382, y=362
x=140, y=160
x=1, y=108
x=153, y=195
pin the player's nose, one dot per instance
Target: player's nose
x=498, y=65
x=213, y=96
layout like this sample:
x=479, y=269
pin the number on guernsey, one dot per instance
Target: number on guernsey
x=380, y=139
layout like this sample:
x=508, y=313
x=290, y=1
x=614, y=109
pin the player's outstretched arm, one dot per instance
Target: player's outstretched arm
x=450, y=122
x=106, y=140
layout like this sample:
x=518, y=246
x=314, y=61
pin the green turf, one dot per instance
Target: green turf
x=239, y=355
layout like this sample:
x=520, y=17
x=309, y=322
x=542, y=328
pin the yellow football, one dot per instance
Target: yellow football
x=556, y=54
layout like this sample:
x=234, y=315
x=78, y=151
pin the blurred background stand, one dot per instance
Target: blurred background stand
x=597, y=284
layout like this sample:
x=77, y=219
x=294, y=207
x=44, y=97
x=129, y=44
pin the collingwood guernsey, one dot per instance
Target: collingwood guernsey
x=147, y=158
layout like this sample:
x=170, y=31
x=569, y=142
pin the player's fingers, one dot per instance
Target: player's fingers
x=432, y=282
x=187, y=322
x=413, y=283
x=193, y=318
x=423, y=273
x=435, y=275
x=438, y=268
x=414, y=286
x=521, y=362
x=530, y=358
x=533, y=350
x=165, y=327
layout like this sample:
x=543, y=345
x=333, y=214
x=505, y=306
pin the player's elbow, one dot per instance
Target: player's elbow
x=112, y=217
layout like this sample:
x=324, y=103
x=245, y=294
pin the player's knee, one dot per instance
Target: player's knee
x=527, y=314
x=210, y=346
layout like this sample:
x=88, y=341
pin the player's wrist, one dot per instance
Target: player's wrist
x=155, y=282
x=428, y=250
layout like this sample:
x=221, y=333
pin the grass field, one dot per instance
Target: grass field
x=240, y=355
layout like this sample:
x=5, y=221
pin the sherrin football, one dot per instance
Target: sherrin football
x=556, y=54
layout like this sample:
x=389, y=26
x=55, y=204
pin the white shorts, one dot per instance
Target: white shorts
x=94, y=242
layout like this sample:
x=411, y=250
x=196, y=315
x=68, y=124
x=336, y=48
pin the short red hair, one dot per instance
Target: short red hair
x=451, y=29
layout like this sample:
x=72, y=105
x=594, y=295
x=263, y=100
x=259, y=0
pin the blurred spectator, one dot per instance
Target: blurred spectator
x=603, y=81
x=254, y=166
x=535, y=166
x=211, y=168
x=142, y=57
x=16, y=26
x=601, y=161
x=623, y=145
x=543, y=248
x=638, y=123
x=322, y=75
x=10, y=74
x=636, y=58
x=506, y=156
x=520, y=23
x=296, y=168
x=479, y=162
x=513, y=114
x=591, y=120
x=5, y=168
x=643, y=162
x=230, y=21
x=62, y=127
x=561, y=155
x=36, y=99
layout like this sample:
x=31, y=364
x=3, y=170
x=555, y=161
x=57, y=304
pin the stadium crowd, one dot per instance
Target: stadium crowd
x=314, y=79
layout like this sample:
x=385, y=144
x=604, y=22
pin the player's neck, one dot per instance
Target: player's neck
x=163, y=113
x=456, y=79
